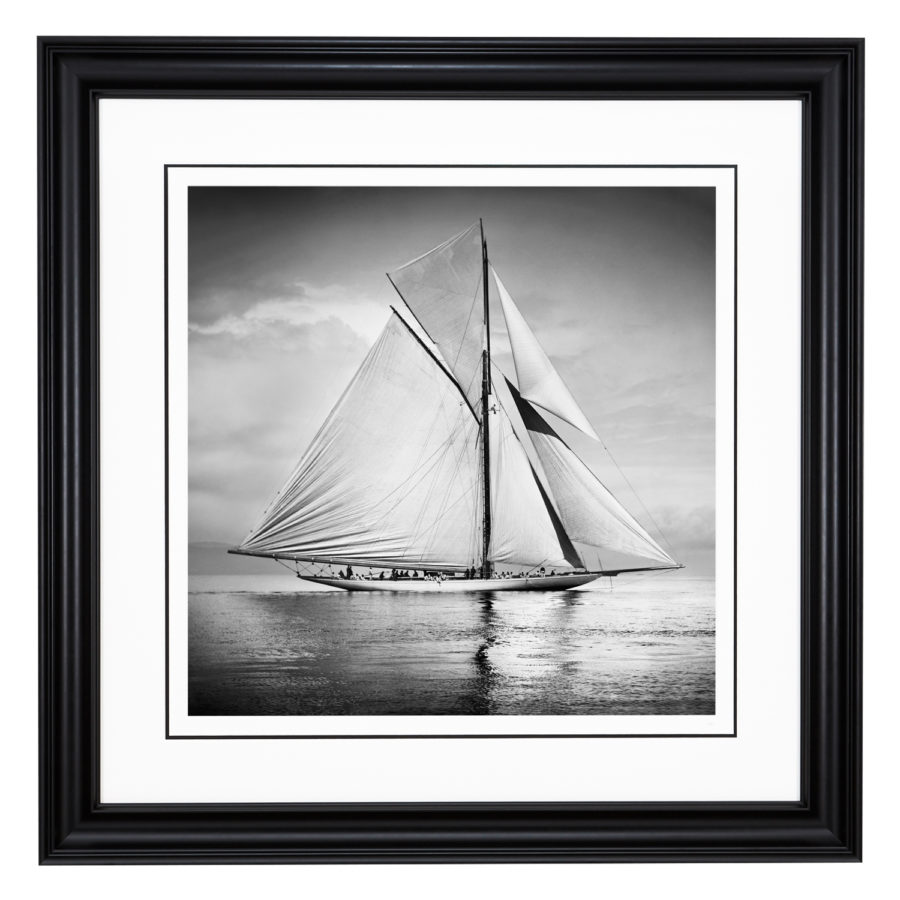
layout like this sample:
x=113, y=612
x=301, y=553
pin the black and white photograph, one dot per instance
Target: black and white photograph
x=452, y=451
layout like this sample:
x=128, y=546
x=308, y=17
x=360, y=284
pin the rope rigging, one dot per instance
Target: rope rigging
x=394, y=472
x=659, y=531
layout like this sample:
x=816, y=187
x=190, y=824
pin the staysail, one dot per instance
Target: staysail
x=443, y=289
x=526, y=529
x=589, y=513
x=538, y=379
x=392, y=476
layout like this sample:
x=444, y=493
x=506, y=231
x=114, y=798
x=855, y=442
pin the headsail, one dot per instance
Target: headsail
x=443, y=289
x=392, y=476
x=590, y=514
x=538, y=380
x=526, y=529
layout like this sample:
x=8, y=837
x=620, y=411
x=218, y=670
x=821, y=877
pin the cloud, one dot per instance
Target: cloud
x=688, y=528
x=261, y=382
x=299, y=306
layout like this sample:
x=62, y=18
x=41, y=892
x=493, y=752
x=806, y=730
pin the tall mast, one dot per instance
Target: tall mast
x=485, y=412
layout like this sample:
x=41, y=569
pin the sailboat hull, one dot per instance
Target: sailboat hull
x=458, y=585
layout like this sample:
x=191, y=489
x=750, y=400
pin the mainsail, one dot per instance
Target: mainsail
x=538, y=379
x=443, y=291
x=393, y=477
x=590, y=514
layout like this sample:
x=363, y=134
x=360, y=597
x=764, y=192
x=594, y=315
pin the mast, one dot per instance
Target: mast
x=485, y=423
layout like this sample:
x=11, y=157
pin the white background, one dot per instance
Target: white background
x=872, y=20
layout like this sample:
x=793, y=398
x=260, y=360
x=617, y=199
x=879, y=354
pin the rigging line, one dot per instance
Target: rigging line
x=434, y=421
x=438, y=450
x=423, y=463
x=437, y=519
x=446, y=449
x=428, y=350
x=412, y=487
x=439, y=247
x=282, y=563
x=643, y=576
x=405, y=482
x=411, y=311
x=468, y=319
x=443, y=508
x=475, y=374
x=508, y=436
x=659, y=530
x=549, y=500
x=558, y=437
x=461, y=457
x=427, y=499
x=422, y=326
x=476, y=538
x=544, y=562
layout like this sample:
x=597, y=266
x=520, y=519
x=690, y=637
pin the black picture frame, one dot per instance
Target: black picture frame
x=826, y=75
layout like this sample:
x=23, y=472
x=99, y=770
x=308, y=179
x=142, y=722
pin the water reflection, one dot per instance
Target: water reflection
x=636, y=651
x=504, y=648
x=568, y=599
x=485, y=672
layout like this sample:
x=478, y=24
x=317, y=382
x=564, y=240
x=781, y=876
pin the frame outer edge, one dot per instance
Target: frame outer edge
x=68, y=468
x=832, y=452
x=74, y=827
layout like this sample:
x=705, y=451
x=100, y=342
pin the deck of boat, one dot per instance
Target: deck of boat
x=458, y=585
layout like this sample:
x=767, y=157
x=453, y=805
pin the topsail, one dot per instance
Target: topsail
x=443, y=290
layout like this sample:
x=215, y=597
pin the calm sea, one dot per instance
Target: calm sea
x=260, y=646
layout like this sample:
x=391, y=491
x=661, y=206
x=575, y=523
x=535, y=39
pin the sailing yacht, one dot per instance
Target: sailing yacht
x=420, y=473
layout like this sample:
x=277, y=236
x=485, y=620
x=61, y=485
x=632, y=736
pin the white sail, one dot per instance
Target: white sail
x=538, y=380
x=525, y=530
x=443, y=289
x=589, y=513
x=396, y=476
x=392, y=477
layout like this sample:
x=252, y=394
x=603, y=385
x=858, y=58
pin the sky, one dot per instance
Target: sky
x=287, y=292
